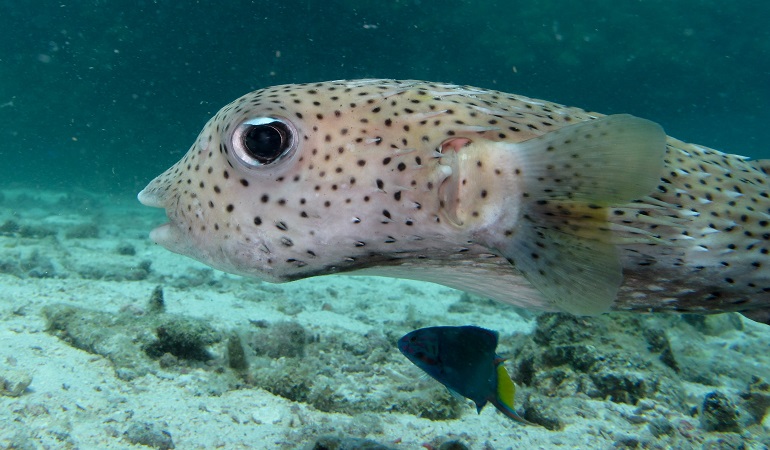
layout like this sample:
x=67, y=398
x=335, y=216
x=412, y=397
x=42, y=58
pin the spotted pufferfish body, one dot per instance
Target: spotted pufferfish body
x=525, y=201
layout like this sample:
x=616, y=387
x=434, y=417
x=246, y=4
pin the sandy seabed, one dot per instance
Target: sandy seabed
x=76, y=277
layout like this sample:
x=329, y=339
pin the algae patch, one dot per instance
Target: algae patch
x=337, y=372
x=133, y=339
x=332, y=371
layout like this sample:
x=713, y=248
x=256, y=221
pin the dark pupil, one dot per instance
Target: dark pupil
x=265, y=143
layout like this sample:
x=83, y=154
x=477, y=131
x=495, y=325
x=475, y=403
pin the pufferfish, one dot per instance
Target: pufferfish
x=521, y=200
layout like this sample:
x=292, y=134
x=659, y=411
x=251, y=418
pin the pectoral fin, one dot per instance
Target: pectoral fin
x=562, y=241
x=581, y=276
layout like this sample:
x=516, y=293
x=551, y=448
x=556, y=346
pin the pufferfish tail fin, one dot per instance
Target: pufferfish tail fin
x=562, y=241
x=506, y=391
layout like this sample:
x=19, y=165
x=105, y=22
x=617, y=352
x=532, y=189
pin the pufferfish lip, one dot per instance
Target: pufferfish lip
x=150, y=198
x=164, y=234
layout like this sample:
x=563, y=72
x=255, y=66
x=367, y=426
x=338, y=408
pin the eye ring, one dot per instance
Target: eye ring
x=263, y=141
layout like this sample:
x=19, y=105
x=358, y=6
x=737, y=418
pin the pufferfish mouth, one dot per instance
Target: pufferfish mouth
x=173, y=235
x=166, y=235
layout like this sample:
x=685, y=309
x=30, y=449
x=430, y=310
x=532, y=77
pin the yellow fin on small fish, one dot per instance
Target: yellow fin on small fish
x=562, y=241
x=506, y=392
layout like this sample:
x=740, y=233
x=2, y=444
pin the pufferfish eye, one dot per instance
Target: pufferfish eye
x=263, y=141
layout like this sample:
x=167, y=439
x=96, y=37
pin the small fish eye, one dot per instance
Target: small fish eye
x=263, y=141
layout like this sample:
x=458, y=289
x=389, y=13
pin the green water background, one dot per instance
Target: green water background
x=104, y=95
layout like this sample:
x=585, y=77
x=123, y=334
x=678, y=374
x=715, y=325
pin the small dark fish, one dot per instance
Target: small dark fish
x=464, y=360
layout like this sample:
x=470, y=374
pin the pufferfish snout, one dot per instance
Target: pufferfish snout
x=522, y=200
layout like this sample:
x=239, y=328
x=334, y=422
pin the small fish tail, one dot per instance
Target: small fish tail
x=506, y=392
